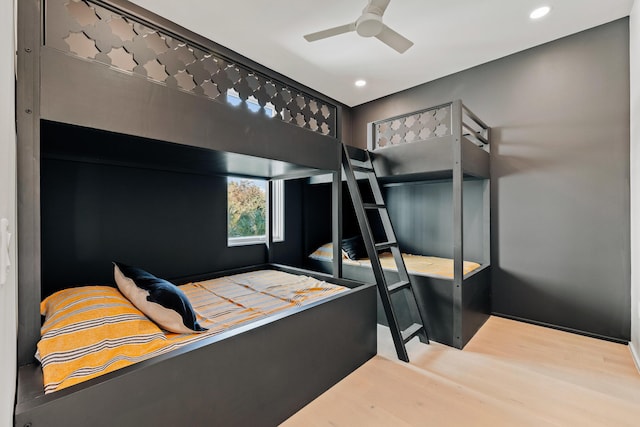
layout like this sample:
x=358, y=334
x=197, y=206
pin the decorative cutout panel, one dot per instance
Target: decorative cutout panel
x=90, y=31
x=431, y=123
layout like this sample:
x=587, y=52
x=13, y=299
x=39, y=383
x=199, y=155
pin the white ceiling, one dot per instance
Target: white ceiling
x=449, y=36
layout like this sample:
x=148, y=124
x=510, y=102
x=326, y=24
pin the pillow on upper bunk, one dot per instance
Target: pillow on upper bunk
x=162, y=301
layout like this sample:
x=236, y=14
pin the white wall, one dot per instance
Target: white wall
x=7, y=210
x=634, y=36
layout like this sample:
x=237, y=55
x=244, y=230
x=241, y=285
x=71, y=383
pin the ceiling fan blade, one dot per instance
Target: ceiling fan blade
x=394, y=40
x=330, y=32
x=381, y=5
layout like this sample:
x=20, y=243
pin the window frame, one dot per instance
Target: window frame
x=274, y=214
x=277, y=211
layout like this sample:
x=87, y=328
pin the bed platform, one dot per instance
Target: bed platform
x=109, y=86
x=435, y=294
x=256, y=374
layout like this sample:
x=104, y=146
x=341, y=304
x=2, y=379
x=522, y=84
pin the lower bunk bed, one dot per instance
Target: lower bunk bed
x=276, y=338
x=432, y=279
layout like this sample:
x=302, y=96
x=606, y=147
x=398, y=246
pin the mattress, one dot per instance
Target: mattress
x=416, y=264
x=92, y=330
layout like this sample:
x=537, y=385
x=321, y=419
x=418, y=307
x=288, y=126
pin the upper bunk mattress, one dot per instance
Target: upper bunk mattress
x=89, y=331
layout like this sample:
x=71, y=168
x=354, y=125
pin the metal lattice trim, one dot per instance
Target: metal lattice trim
x=419, y=126
x=93, y=32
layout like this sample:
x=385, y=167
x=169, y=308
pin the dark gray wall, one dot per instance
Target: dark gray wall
x=291, y=250
x=421, y=213
x=316, y=210
x=173, y=224
x=93, y=213
x=422, y=216
x=96, y=209
x=560, y=170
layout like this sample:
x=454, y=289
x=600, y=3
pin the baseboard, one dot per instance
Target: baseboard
x=634, y=355
x=562, y=328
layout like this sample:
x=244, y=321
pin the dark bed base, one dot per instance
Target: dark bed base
x=255, y=375
x=435, y=297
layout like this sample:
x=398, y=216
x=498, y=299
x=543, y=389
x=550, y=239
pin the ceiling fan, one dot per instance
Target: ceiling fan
x=369, y=24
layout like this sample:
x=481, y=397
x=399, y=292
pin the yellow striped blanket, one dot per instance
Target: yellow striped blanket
x=91, y=330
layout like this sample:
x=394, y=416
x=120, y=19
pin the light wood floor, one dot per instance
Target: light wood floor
x=510, y=374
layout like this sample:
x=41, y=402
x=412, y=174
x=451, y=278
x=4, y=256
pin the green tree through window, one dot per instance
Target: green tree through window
x=246, y=207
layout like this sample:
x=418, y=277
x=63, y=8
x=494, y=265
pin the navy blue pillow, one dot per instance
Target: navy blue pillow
x=162, y=301
x=354, y=247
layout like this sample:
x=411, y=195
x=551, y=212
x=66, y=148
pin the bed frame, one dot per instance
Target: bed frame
x=82, y=65
x=435, y=295
x=445, y=143
x=257, y=374
x=448, y=142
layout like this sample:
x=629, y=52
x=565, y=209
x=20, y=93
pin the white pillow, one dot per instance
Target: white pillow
x=161, y=301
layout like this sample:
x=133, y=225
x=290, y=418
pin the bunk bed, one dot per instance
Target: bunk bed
x=434, y=166
x=111, y=85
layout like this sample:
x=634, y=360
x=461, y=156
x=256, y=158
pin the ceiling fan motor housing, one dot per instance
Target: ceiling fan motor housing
x=369, y=25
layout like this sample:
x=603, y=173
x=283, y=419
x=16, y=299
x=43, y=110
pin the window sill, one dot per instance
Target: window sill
x=245, y=241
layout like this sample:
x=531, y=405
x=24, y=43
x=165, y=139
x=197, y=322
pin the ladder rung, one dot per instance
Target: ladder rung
x=374, y=206
x=385, y=245
x=364, y=169
x=397, y=286
x=411, y=332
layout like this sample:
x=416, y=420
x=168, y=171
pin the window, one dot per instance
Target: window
x=247, y=211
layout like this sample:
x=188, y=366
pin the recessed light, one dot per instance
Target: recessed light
x=539, y=12
x=361, y=83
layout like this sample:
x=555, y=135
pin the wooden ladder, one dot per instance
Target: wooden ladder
x=407, y=301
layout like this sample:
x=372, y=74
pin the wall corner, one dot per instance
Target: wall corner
x=634, y=177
